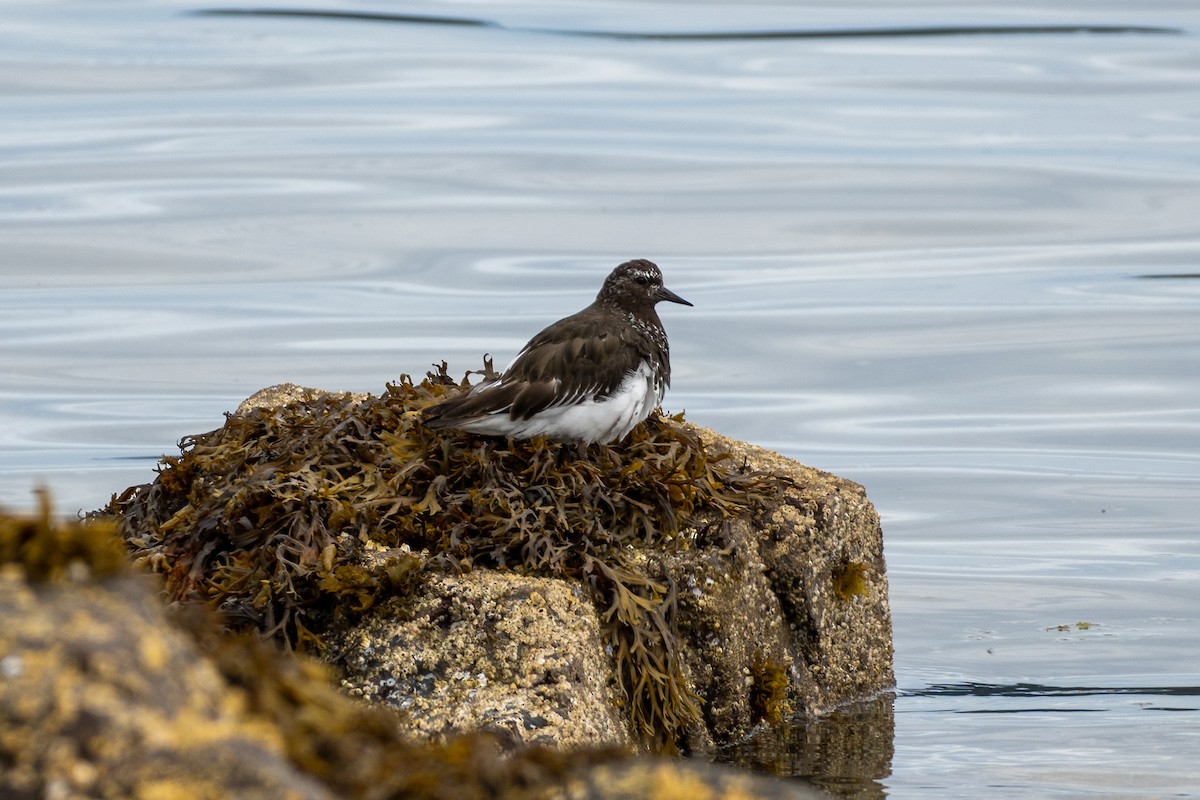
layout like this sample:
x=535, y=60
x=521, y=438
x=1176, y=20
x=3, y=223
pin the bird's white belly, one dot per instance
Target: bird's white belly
x=589, y=421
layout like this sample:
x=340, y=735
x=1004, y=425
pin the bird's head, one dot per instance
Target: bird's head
x=636, y=284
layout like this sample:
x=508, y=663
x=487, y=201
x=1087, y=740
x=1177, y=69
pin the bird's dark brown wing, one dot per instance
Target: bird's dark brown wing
x=577, y=358
x=487, y=398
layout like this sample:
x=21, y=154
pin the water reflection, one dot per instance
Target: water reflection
x=847, y=752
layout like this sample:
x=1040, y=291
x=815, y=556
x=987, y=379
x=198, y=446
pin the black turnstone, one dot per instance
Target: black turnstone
x=590, y=377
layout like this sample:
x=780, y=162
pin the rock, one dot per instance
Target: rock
x=282, y=394
x=676, y=589
x=519, y=656
x=804, y=586
x=101, y=697
x=497, y=651
x=663, y=779
x=105, y=693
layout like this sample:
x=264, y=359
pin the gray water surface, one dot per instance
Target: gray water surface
x=959, y=269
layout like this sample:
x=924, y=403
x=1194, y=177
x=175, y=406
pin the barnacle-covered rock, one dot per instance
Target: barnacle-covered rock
x=768, y=603
x=101, y=696
x=519, y=656
x=107, y=693
x=703, y=585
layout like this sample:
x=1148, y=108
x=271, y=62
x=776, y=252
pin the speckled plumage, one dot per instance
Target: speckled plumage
x=590, y=377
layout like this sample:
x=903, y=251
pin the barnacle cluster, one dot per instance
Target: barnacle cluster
x=294, y=519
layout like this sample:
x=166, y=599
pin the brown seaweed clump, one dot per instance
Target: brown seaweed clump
x=850, y=580
x=47, y=550
x=768, y=688
x=297, y=518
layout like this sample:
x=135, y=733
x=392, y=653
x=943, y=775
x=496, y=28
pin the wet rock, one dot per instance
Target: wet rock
x=776, y=596
x=848, y=750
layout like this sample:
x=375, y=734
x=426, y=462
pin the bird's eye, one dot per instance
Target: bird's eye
x=642, y=280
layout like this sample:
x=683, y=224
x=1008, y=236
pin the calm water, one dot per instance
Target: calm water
x=961, y=270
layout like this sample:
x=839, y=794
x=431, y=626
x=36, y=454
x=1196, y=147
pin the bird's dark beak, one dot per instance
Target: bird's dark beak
x=664, y=293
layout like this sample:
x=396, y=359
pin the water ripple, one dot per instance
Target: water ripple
x=694, y=36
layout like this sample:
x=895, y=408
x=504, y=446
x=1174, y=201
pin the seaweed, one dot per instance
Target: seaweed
x=47, y=550
x=295, y=519
x=768, y=688
x=850, y=580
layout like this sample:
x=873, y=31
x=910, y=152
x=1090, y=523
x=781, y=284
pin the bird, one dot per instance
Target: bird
x=588, y=378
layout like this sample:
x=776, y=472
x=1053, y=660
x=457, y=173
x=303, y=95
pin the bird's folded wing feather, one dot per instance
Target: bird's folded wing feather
x=569, y=362
x=556, y=370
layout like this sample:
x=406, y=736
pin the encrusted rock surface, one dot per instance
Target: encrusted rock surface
x=522, y=655
x=675, y=589
x=805, y=584
x=519, y=656
x=100, y=698
x=104, y=693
